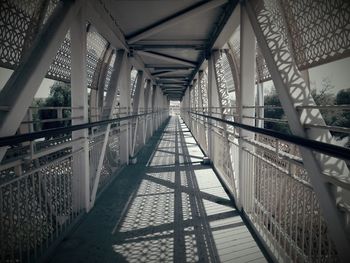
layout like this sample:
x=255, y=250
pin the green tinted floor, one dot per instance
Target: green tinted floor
x=166, y=208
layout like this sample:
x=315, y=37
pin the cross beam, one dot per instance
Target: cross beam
x=175, y=19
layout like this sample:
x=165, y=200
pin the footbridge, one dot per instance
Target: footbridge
x=174, y=131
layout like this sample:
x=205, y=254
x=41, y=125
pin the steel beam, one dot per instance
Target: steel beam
x=79, y=101
x=247, y=98
x=19, y=91
x=175, y=19
x=166, y=58
x=107, y=113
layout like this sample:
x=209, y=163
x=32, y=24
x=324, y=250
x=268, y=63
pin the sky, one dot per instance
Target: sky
x=337, y=72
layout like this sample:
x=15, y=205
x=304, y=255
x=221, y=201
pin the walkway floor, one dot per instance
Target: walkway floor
x=166, y=208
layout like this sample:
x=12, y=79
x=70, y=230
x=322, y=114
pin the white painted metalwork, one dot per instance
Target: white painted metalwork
x=296, y=200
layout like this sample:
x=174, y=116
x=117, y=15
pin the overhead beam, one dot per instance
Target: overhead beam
x=166, y=58
x=175, y=19
x=99, y=19
x=173, y=77
x=137, y=62
x=167, y=66
x=166, y=73
x=196, y=42
x=168, y=46
x=171, y=85
x=224, y=17
x=162, y=82
x=228, y=29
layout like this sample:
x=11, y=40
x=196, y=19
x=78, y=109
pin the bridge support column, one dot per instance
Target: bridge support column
x=148, y=109
x=124, y=104
x=213, y=103
x=116, y=84
x=79, y=101
x=247, y=98
x=138, y=105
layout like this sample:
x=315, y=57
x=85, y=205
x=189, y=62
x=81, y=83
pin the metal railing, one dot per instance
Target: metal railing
x=269, y=179
x=41, y=196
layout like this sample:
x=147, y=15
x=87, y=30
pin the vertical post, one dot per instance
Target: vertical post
x=211, y=83
x=154, y=92
x=125, y=101
x=189, y=88
x=213, y=102
x=260, y=103
x=148, y=101
x=79, y=101
x=138, y=100
x=247, y=98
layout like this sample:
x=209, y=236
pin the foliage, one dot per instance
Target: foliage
x=37, y=103
x=274, y=113
x=343, y=119
x=332, y=117
x=60, y=96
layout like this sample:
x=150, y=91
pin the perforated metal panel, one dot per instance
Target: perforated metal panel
x=319, y=30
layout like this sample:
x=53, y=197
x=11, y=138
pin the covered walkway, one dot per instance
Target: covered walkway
x=168, y=207
x=93, y=169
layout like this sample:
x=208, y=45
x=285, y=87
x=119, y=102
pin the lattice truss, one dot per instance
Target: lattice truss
x=20, y=23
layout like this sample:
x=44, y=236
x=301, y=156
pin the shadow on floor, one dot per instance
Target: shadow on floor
x=166, y=208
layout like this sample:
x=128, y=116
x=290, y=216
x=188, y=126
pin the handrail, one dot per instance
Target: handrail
x=15, y=139
x=326, y=148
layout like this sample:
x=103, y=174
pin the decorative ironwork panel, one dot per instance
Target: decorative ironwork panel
x=319, y=30
x=35, y=209
x=262, y=70
x=60, y=68
x=20, y=21
x=96, y=45
x=204, y=89
x=133, y=82
x=109, y=72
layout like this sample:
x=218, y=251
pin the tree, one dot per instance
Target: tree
x=343, y=119
x=60, y=96
x=37, y=103
x=271, y=100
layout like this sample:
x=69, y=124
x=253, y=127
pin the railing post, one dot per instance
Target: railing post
x=79, y=101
